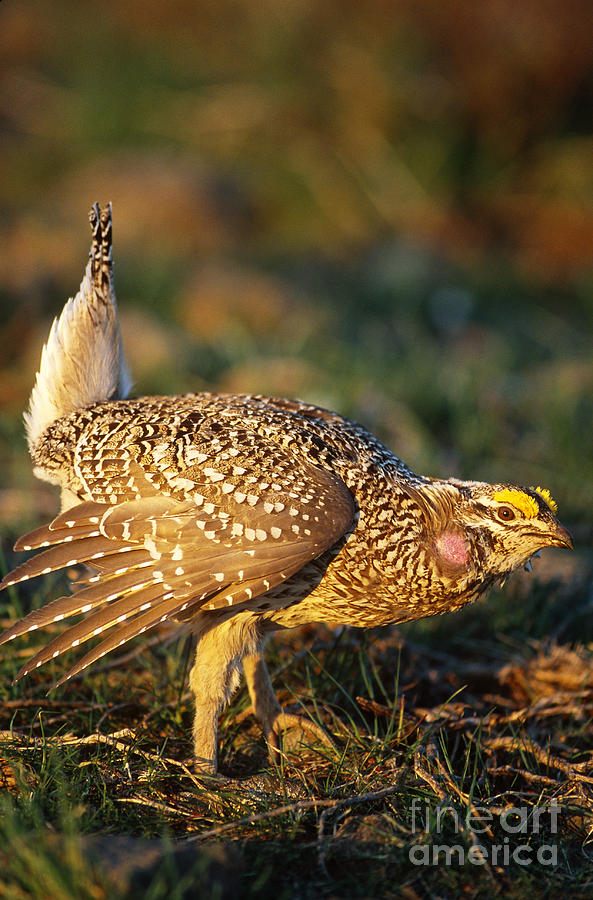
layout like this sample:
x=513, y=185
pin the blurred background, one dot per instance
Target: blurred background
x=382, y=207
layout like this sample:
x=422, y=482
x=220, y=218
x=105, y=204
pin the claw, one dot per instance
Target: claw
x=285, y=721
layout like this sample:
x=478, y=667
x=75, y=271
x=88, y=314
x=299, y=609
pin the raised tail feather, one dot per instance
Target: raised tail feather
x=83, y=360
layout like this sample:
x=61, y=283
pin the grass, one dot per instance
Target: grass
x=327, y=201
x=436, y=727
x=482, y=712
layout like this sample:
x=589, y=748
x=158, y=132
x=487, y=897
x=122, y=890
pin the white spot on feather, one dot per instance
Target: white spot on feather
x=152, y=548
x=193, y=455
x=184, y=483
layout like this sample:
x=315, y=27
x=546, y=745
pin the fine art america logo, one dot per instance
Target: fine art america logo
x=517, y=823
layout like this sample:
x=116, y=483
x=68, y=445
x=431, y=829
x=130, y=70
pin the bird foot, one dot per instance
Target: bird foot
x=304, y=734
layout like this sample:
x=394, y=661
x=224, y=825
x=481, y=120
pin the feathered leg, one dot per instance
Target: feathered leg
x=268, y=711
x=215, y=676
x=265, y=705
x=222, y=646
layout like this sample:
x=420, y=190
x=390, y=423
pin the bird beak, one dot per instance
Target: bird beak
x=560, y=537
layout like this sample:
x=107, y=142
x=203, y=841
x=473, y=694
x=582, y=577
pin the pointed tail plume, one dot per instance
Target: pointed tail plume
x=83, y=360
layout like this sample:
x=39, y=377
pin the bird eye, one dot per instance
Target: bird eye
x=506, y=513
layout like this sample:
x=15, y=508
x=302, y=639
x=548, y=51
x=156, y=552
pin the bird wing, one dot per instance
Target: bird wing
x=191, y=544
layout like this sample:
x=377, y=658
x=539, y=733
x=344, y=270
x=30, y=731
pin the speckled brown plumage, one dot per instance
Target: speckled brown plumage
x=244, y=514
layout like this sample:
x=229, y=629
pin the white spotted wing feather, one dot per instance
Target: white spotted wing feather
x=158, y=557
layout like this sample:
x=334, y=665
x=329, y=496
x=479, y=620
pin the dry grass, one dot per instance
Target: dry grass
x=490, y=723
x=367, y=205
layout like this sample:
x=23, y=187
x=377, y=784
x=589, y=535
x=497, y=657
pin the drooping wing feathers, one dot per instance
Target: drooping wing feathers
x=87, y=513
x=114, y=565
x=70, y=554
x=139, y=625
x=157, y=558
x=106, y=617
x=88, y=516
x=83, y=601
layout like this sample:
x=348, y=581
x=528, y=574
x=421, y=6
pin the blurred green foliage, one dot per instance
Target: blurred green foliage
x=381, y=207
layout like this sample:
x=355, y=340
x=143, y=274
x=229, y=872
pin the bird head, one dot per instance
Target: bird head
x=508, y=524
x=481, y=531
